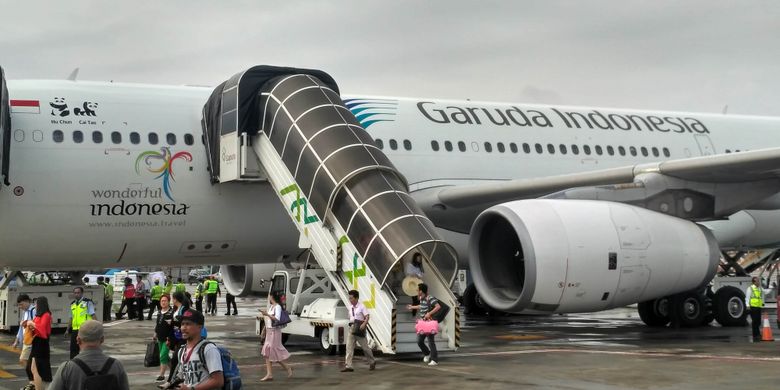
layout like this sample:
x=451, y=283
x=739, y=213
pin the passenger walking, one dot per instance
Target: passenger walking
x=163, y=333
x=230, y=299
x=91, y=368
x=108, y=297
x=754, y=300
x=40, y=327
x=427, y=307
x=128, y=300
x=358, y=322
x=24, y=337
x=156, y=293
x=273, y=350
x=181, y=304
x=140, y=297
x=414, y=269
x=196, y=374
x=81, y=310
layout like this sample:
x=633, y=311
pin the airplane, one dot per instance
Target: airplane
x=552, y=208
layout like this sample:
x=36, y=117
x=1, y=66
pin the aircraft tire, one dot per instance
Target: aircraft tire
x=729, y=307
x=690, y=308
x=654, y=313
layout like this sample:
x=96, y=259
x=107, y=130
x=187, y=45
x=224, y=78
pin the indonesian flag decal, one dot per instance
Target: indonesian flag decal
x=25, y=107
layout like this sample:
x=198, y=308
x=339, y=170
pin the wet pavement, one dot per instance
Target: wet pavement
x=606, y=350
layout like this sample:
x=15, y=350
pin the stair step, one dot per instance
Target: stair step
x=407, y=347
x=411, y=337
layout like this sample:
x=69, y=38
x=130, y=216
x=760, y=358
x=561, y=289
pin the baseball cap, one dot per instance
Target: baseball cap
x=193, y=316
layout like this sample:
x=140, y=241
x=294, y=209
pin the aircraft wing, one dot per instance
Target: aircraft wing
x=699, y=188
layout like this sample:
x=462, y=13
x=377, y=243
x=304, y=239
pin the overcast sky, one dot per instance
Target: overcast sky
x=690, y=56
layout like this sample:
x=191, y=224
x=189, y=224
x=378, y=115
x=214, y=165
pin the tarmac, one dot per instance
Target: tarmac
x=607, y=350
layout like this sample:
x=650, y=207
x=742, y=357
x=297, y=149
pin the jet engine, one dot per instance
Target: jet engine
x=580, y=256
x=247, y=279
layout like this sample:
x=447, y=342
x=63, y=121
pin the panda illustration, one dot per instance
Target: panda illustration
x=88, y=110
x=59, y=107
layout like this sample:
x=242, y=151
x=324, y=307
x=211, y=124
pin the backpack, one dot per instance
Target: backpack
x=230, y=373
x=440, y=315
x=100, y=380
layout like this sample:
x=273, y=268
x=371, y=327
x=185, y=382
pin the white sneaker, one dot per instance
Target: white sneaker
x=427, y=358
x=433, y=363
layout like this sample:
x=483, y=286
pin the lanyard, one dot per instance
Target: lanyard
x=188, y=355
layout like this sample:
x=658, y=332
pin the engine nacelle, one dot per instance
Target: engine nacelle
x=579, y=256
x=249, y=279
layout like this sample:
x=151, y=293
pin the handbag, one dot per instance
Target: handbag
x=356, y=329
x=282, y=321
x=442, y=313
x=152, y=357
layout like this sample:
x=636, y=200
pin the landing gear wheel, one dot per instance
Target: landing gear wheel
x=689, y=308
x=325, y=346
x=655, y=313
x=729, y=307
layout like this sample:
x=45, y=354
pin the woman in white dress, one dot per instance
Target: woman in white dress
x=273, y=350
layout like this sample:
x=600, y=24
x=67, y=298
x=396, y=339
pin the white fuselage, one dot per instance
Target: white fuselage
x=76, y=205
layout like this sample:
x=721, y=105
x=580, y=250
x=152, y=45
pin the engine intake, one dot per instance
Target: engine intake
x=580, y=255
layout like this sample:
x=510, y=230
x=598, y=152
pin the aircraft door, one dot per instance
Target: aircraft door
x=705, y=145
x=5, y=128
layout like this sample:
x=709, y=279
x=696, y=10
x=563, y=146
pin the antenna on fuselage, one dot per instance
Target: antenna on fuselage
x=74, y=74
x=725, y=109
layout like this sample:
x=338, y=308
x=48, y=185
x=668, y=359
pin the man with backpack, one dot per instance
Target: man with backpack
x=91, y=369
x=427, y=310
x=202, y=364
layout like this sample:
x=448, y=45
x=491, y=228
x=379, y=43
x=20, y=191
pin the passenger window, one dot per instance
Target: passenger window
x=379, y=144
x=393, y=144
x=170, y=138
x=448, y=146
x=586, y=149
x=501, y=148
x=116, y=137
x=488, y=147
x=513, y=147
x=461, y=146
x=435, y=146
x=135, y=138
x=538, y=148
x=153, y=138
x=97, y=137
x=58, y=136
x=562, y=147
x=655, y=152
x=550, y=149
x=599, y=151
x=632, y=150
x=666, y=152
x=727, y=150
x=189, y=139
x=644, y=151
x=527, y=148
x=610, y=150
x=407, y=144
x=622, y=150
x=78, y=136
x=575, y=149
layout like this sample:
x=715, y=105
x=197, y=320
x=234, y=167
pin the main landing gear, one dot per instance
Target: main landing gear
x=696, y=308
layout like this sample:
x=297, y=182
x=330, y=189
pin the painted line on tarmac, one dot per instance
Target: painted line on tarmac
x=623, y=353
x=115, y=323
x=5, y=374
x=452, y=370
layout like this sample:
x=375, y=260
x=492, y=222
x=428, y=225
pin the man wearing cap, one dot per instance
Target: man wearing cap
x=194, y=373
x=71, y=374
x=81, y=310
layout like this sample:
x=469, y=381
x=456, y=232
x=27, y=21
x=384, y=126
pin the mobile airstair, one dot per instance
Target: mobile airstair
x=289, y=127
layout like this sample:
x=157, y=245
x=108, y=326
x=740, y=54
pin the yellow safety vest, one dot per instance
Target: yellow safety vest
x=180, y=287
x=109, y=291
x=156, y=292
x=212, y=287
x=168, y=287
x=756, y=296
x=198, y=290
x=79, y=312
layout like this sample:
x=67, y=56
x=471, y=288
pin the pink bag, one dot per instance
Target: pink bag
x=427, y=327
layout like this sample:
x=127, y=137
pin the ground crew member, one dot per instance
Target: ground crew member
x=108, y=298
x=168, y=285
x=140, y=297
x=156, y=293
x=179, y=286
x=81, y=310
x=199, y=290
x=230, y=299
x=212, y=289
x=754, y=301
